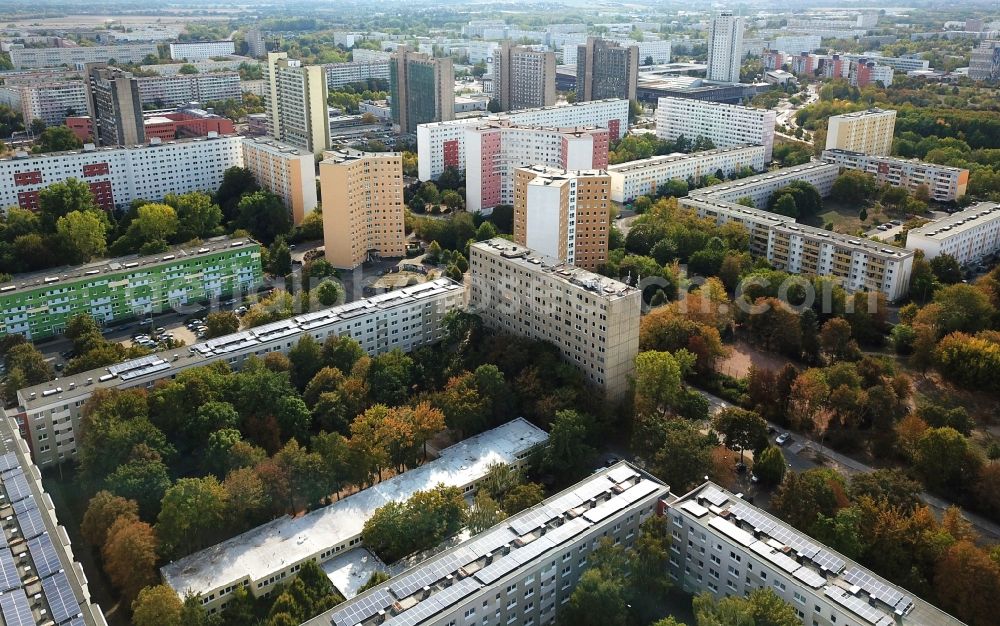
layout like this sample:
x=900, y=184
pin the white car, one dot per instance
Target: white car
x=782, y=439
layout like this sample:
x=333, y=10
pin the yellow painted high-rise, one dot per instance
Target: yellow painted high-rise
x=296, y=103
x=362, y=206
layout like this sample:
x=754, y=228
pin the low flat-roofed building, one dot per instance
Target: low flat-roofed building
x=749, y=549
x=593, y=320
x=42, y=583
x=271, y=554
x=968, y=235
x=405, y=319
x=945, y=184
x=632, y=179
x=521, y=570
x=761, y=187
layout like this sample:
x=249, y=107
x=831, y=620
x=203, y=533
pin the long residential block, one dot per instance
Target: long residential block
x=592, y=319
x=521, y=570
x=181, y=89
x=857, y=263
x=43, y=583
x=945, y=184
x=39, y=305
x=727, y=125
x=201, y=50
x=50, y=102
x=26, y=58
x=636, y=178
x=968, y=235
x=405, y=319
x=284, y=170
x=271, y=554
x=725, y=546
x=340, y=74
x=442, y=144
x=494, y=150
x=119, y=175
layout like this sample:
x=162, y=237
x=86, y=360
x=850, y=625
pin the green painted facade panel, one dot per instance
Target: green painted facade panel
x=125, y=290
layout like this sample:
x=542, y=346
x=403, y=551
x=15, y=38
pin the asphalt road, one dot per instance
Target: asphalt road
x=803, y=454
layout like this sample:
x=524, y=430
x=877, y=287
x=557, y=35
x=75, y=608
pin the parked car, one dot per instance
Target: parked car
x=782, y=439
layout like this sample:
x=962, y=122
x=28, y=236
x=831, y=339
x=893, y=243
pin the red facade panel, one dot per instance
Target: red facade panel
x=28, y=200
x=614, y=129
x=451, y=153
x=103, y=194
x=28, y=178
x=95, y=169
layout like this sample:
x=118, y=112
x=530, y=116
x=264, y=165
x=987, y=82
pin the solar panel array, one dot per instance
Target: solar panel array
x=714, y=496
x=17, y=486
x=435, y=604
x=822, y=557
x=9, y=577
x=15, y=609
x=363, y=608
x=877, y=589
x=859, y=607
x=59, y=595
x=44, y=556
x=432, y=573
x=9, y=462
x=30, y=521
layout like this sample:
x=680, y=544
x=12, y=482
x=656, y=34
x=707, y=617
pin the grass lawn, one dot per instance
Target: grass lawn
x=845, y=217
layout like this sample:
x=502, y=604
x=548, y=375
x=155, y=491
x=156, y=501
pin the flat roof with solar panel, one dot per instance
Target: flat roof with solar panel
x=40, y=583
x=491, y=559
x=771, y=549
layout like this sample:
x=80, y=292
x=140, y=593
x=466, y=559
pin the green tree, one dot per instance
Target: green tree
x=329, y=292
x=390, y=377
x=191, y=514
x=236, y=182
x=568, y=454
x=307, y=359
x=188, y=68
x=57, y=139
x=803, y=497
x=141, y=480
x=681, y=453
x=155, y=222
x=263, y=214
x=484, y=513
x=342, y=353
x=741, y=429
x=659, y=380
x=82, y=235
x=853, y=187
x=197, y=214
x=377, y=578
x=785, y=205
x=523, y=496
x=452, y=200
x=946, y=461
x=221, y=323
x=428, y=517
x=947, y=269
x=279, y=257
x=61, y=198
x=597, y=600
x=769, y=466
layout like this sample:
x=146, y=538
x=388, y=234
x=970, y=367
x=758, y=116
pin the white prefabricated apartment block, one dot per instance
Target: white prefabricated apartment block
x=521, y=570
x=727, y=125
x=402, y=319
x=592, y=319
x=201, y=50
x=442, y=144
x=945, y=184
x=119, y=175
x=636, y=178
x=726, y=547
x=968, y=235
x=494, y=150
